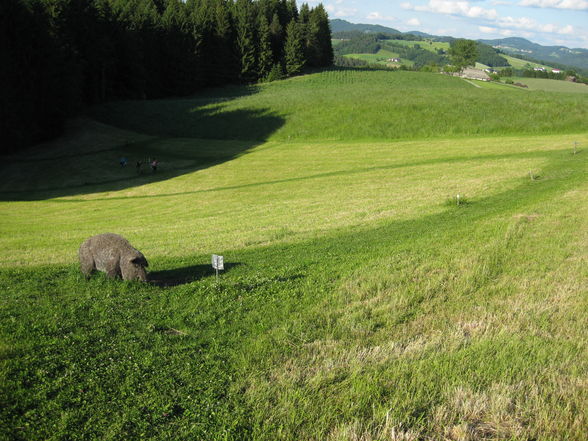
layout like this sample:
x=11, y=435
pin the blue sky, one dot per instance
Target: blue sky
x=547, y=22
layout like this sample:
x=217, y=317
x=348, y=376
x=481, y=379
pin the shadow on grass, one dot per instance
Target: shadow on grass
x=188, y=274
x=187, y=134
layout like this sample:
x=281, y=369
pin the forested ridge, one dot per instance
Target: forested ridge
x=59, y=56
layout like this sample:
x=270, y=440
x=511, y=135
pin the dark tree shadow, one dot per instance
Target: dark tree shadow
x=188, y=274
x=185, y=135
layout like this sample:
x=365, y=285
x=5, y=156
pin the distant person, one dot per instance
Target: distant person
x=154, y=165
x=138, y=166
x=123, y=162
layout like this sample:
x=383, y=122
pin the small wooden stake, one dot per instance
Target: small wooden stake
x=457, y=199
x=575, y=147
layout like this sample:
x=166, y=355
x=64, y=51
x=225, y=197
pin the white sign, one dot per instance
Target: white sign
x=218, y=262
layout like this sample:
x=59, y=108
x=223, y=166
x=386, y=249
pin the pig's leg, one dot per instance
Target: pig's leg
x=112, y=270
x=86, y=263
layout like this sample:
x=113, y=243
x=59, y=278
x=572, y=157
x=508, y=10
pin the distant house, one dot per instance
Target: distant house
x=556, y=71
x=393, y=60
x=474, y=74
x=539, y=69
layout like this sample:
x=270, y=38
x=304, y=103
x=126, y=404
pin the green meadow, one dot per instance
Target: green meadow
x=431, y=46
x=517, y=63
x=362, y=298
x=381, y=57
x=547, y=85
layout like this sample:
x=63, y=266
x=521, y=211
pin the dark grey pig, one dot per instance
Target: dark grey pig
x=114, y=255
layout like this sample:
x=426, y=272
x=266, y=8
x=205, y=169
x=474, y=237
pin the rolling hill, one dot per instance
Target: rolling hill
x=556, y=54
x=362, y=299
x=513, y=46
x=338, y=25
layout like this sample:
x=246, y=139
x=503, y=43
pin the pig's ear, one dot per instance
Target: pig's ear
x=140, y=260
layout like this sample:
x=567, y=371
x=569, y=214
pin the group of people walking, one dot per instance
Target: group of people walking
x=153, y=162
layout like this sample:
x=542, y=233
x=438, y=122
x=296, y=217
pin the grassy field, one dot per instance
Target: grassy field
x=517, y=63
x=388, y=51
x=359, y=301
x=431, y=46
x=552, y=85
x=381, y=57
x=344, y=105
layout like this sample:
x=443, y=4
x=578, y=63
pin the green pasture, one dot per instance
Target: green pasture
x=431, y=46
x=517, y=63
x=347, y=104
x=360, y=301
x=547, y=85
x=381, y=57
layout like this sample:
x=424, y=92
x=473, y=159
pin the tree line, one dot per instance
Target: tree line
x=357, y=43
x=59, y=56
x=490, y=56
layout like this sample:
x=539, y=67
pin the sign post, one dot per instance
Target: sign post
x=218, y=263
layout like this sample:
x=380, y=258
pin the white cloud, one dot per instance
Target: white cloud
x=489, y=21
x=487, y=30
x=567, y=30
x=496, y=31
x=528, y=24
x=413, y=22
x=557, y=4
x=450, y=7
x=340, y=12
x=380, y=17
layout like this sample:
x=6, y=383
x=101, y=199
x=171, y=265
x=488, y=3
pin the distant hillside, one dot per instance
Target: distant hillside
x=558, y=56
x=338, y=25
x=554, y=54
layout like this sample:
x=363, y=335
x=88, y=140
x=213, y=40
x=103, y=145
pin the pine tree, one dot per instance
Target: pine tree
x=277, y=37
x=310, y=44
x=244, y=41
x=144, y=23
x=201, y=23
x=292, y=10
x=294, y=49
x=176, y=42
x=320, y=38
x=304, y=15
x=223, y=58
x=265, y=55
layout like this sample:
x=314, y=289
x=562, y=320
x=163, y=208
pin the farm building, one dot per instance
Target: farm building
x=474, y=74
